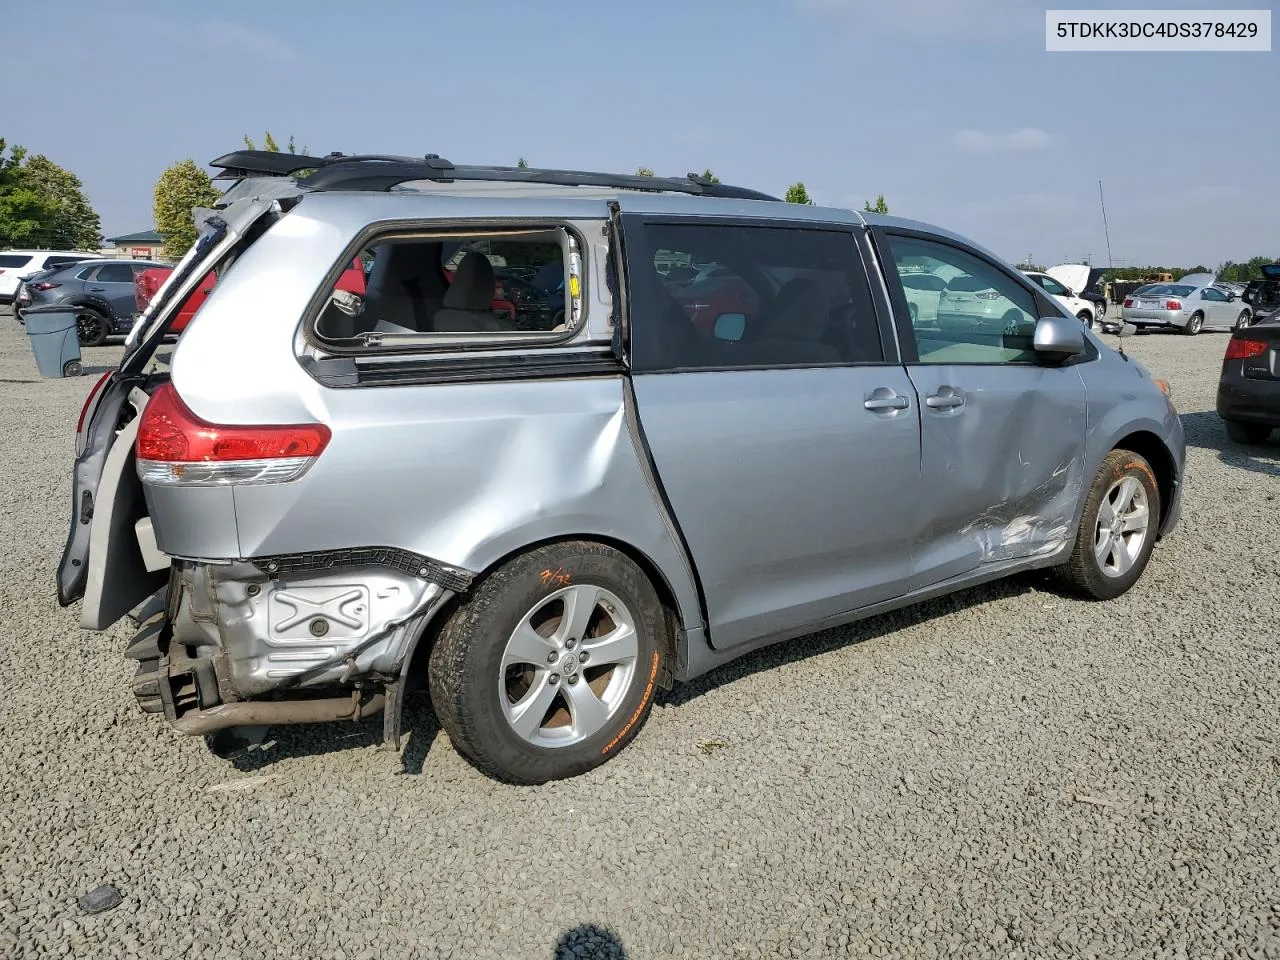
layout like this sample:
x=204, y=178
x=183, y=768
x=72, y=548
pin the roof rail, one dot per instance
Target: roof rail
x=241, y=164
x=379, y=172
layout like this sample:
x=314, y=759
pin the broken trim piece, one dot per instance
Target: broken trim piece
x=404, y=561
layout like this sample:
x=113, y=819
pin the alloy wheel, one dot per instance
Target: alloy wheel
x=568, y=666
x=1124, y=520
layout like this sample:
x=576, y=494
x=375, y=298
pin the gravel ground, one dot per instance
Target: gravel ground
x=1003, y=773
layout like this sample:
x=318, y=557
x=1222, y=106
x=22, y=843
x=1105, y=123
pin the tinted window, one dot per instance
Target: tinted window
x=981, y=314
x=1052, y=286
x=724, y=296
x=115, y=273
x=13, y=260
x=1208, y=293
x=62, y=261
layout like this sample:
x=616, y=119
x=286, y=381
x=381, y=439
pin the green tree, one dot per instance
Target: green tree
x=880, y=206
x=522, y=164
x=180, y=189
x=42, y=204
x=796, y=193
x=709, y=176
x=269, y=143
x=644, y=171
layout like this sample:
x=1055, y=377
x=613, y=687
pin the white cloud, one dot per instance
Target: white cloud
x=975, y=141
x=929, y=18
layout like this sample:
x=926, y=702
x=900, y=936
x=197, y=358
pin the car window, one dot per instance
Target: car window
x=1052, y=286
x=1217, y=296
x=115, y=273
x=62, y=261
x=84, y=273
x=12, y=260
x=416, y=285
x=981, y=315
x=725, y=296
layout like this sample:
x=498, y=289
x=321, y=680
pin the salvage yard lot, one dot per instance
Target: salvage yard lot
x=1005, y=772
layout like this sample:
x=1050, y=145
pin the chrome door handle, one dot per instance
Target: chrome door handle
x=887, y=403
x=944, y=401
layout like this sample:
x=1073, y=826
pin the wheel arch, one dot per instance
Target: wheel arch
x=1150, y=447
x=673, y=639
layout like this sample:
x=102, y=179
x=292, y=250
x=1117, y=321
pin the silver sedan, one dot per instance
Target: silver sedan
x=1185, y=307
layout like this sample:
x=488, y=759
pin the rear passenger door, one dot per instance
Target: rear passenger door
x=783, y=430
x=1002, y=465
x=113, y=282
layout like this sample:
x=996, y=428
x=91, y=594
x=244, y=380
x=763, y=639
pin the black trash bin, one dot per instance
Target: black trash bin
x=54, y=341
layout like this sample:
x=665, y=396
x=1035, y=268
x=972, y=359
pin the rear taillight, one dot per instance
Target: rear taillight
x=176, y=447
x=89, y=399
x=43, y=286
x=1173, y=304
x=1244, y=349
x=1128, y=301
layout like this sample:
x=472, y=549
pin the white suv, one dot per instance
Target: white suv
x=1084, y=310
x=17, y=265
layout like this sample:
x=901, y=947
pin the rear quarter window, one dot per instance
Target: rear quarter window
x=13, y=260
x=408, y=290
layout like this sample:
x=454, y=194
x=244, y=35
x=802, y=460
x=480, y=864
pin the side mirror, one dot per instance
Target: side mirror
x=730, y=326
x=1057, y=338
x=1231, y=298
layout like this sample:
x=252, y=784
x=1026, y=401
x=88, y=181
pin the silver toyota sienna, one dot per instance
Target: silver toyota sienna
x=569, y=438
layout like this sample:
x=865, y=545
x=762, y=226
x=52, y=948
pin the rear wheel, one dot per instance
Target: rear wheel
x=1117, y=529
x=91, y=327
x=1194, y=324
x=1242, y=321
x=551, y=666
x=1247, y=433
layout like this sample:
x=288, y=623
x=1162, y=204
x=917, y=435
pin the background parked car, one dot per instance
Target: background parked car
x=1085, y=311
x=1085, y=282
x=1263, y=296
x=101, y=290
x=17, y=265
x=148, y=282
x=1249, y=388
x=1187, y=308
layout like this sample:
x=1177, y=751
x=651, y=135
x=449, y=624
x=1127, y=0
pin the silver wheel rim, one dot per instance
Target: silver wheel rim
x=568, y=666
x=1121, y=532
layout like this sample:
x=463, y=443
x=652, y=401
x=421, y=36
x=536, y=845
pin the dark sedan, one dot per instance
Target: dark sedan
x=1249, y=390
x=102, y=291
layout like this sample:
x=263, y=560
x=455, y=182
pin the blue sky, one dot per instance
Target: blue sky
x=953, y=110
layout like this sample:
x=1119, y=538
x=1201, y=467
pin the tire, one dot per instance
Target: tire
x=72, y=368
x=92, y=328
x=1250, y=434
x=1086, y=318
x=480, y=675
x=914, y=312
x=1103, y=568
x=1242, y=321
x=1194, y=324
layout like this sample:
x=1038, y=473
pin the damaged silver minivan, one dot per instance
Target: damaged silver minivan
x=582, y=436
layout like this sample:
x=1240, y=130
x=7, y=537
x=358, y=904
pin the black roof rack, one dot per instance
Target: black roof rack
x=382, y=172
x=266, y=163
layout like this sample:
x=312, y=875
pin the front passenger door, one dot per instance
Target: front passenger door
x=1002, y=435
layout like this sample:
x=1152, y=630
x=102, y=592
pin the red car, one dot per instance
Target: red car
x=148, y=282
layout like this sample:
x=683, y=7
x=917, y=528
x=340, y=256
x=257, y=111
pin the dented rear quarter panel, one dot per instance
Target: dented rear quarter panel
x=464, y=474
